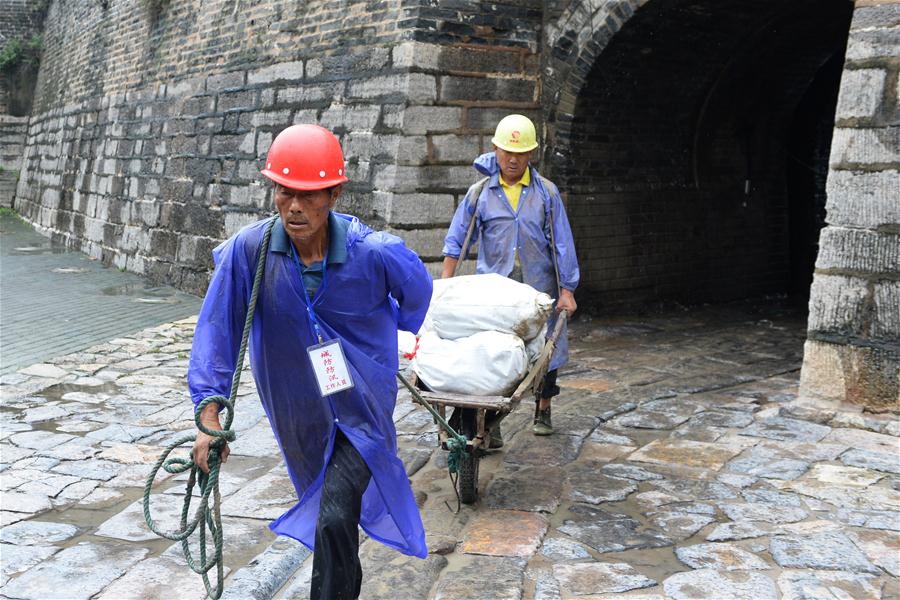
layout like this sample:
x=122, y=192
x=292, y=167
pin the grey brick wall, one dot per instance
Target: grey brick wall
x=852, y=353
x=154, y=156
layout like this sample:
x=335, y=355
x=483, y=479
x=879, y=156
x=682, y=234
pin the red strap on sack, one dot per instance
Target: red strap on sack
x=412, y=355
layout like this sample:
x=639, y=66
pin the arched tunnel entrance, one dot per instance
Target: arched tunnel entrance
x=698, y=152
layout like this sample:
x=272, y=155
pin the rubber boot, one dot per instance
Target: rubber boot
x=542, y=423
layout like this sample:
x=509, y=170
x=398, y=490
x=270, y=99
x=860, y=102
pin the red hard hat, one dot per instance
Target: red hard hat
x=305, y=157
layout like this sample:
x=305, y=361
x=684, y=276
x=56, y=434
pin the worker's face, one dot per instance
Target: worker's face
x=304, y=213
x=512, y=164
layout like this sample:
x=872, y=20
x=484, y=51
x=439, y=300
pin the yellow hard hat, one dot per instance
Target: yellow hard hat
x=515, y=133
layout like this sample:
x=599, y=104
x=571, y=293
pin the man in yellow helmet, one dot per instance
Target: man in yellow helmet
x=523, y=233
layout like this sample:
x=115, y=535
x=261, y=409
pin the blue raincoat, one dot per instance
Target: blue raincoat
x=379, y=286
x=502, y=230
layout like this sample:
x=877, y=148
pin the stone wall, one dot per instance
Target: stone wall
x=20, y=21
x=853, y=353
x=155, y=156
x=12, y=146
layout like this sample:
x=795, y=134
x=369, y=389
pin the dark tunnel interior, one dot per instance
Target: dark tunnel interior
x=699, y=152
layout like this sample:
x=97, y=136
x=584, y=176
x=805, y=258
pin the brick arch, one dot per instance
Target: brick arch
x=574, y=41
x=667, y=124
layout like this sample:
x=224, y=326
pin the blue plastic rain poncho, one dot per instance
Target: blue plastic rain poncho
x=376, y=287
x=502, y=230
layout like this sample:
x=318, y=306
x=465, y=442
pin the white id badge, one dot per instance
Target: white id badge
x=330, y=367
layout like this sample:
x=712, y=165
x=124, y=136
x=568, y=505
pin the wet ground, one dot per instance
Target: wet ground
x=682, y=467
x=54, y=301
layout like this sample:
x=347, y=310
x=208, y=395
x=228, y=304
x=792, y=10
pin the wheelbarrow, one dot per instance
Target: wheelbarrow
x=475, y=417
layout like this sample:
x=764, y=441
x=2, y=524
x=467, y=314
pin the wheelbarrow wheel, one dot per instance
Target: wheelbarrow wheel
x=467, y=483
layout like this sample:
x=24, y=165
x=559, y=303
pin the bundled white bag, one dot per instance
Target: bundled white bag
x=534, y=348
x=406, y=347
x=488, y=363
x=463, y=306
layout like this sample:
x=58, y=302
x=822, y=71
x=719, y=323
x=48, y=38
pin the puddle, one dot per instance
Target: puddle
x=56, y=392
x=143, y=293
x=67, y=270
x=656, y=563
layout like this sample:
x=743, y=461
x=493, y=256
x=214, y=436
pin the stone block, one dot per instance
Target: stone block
x=405, y=179
x=835, y=373
x=416, y=88
x=486, y=119
x=272, y=118
x=240, y=100
x=234, y=221
x=858, y=250
x=416, y=54
x=712, y=584
x=418, y=120
x=310, y=94
x=285, y=71
x=860, y=199
x=862, y=91
x=873, y=43
x=415, y=209
x=886, y=322
x=427, y=243
x=686, y=453
x=875, y=14
x=837, y=304
x=587, y=579
x=309, y=115
x=185, y=87
x=350, y=117
x=480, y=60
x=358, y=61
x=86, y=570
x=505, y=533
x=865, y=146
x=456, y=148
x=232, y=145
x=224, y=81
x=480, y=89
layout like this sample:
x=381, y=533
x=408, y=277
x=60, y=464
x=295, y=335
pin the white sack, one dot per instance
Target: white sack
x=488, y=363
x=406, y=346
x=534, y=348
x=463, y=306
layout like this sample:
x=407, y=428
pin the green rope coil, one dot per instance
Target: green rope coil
x=208, y=515
x=457, y=444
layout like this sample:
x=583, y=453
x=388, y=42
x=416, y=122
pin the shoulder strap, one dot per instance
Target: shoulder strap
x=547, y=185
x=474, y=193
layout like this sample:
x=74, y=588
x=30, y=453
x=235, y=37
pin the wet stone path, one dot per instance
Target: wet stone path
x=54, y=301
x=682, y=467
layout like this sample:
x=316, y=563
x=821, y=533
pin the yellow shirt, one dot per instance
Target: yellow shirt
x=514, y=191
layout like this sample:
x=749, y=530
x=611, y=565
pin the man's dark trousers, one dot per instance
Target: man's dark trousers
x=337, y=573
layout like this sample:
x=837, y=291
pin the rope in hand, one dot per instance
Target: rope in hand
x=208, y=484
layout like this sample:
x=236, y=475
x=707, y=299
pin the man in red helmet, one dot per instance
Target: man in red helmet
x=323, y=349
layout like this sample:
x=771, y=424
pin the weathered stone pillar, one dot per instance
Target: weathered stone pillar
x=853, y=349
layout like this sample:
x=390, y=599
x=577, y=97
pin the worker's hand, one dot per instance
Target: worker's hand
x=566, y=302
x=210, y=419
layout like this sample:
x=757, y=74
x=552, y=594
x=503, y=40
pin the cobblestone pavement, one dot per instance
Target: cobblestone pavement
x=682, y=467
x=54, y=301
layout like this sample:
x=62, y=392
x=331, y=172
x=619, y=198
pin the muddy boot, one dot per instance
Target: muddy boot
x=496, y=440
x=542, y=423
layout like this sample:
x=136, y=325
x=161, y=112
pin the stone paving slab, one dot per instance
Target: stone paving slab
x=44, y=283
x=743, y=498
